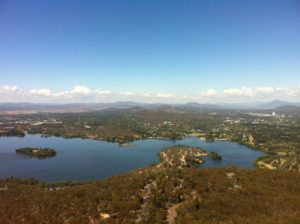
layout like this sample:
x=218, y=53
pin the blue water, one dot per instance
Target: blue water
x=83, y=159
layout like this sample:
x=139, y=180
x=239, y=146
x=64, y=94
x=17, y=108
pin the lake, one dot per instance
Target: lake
x=85, y=159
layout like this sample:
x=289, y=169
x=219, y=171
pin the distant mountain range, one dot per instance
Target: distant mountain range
x=276, y=104
x=254, y=105
x=77, y=107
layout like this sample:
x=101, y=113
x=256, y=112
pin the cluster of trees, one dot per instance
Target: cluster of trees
x=12, y=132
x=40, y=153
x=182, y=156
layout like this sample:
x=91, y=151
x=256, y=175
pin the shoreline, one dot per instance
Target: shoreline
x=250, y=146
x=168, y=141
x=129, y=144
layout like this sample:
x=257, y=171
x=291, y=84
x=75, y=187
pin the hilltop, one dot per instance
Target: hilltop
x=158, y=196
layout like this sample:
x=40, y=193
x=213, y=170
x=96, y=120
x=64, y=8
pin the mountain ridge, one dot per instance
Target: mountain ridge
x=9, y=106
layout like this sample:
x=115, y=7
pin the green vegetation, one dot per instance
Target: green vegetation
x=40, y=153
x=173, y=191
x=181, y=156
x=256, y=129
x=215, y=156
x=12, y=132
x=280, y=160
x=152, y=195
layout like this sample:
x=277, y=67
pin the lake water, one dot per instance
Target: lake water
x=84, y=159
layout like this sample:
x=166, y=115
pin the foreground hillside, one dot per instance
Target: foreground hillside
x=152, y=195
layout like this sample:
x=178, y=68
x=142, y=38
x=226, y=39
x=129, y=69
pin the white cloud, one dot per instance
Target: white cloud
x=239, y=92
x=42, y=92
x=104, y=92
x=165, y=95
x=9, y=88
x=209, y=93
x=128, y=93
x=294, y=92
x=11, y=93
x=62, y=94
x=81, y=90
x=265, y=90
x=159, y=95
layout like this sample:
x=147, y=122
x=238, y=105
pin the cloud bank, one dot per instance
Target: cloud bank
x=79, y=93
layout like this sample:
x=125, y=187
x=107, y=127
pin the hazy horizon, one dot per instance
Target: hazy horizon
x=252, y=104
x=82, y=94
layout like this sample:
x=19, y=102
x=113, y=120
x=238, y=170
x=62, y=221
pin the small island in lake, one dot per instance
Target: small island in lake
x=215, y=156
x=181, y=156
x=125, y=144
x=40, y=153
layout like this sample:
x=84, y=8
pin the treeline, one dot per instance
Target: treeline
x=12, y=132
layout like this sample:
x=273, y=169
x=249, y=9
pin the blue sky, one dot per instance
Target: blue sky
x=181, y=49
